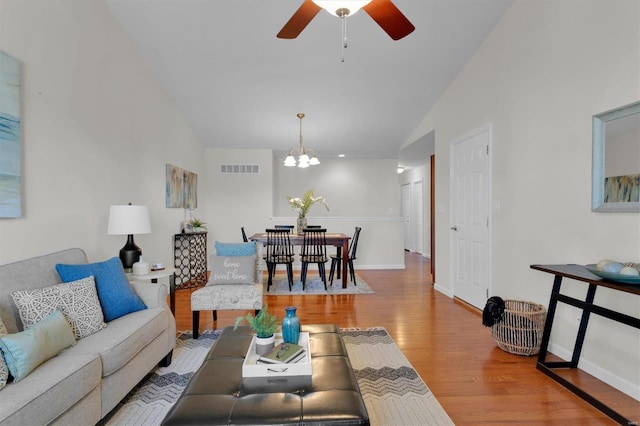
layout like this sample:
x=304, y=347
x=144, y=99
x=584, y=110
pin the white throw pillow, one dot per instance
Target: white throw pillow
x=78, y=301
x=232, y=269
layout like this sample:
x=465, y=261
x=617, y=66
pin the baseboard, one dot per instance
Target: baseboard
x=314, y=267
x=398, y=266
x=624, y=386
x=443, y=290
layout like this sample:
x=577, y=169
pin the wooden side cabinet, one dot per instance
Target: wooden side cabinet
x=190, y=259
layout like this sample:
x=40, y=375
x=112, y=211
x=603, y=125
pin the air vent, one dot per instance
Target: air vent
x=240, y=168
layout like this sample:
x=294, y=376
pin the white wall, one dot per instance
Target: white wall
x=351, y=187
x=237, y=200
x=360, y=193
x=97, y=130
x=540, y=76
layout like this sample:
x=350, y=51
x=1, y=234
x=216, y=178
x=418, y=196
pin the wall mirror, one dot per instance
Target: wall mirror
x=616, y=160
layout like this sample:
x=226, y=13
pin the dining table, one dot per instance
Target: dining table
x=341, y=241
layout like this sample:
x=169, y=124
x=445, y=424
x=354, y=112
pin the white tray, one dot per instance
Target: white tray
x=250, y=367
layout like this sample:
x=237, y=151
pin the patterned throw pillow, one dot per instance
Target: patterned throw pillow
x=78, y=301
x=4, y=371
x=232, y=269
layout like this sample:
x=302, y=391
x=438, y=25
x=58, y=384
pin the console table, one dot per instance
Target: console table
x=190, y=259
x=580, y=273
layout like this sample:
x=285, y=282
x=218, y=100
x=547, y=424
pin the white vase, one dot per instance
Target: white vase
x=264, y=344
x=301, y=224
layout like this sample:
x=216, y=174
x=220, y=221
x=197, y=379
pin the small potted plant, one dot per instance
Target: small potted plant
x=265, y=324
x=197, y=225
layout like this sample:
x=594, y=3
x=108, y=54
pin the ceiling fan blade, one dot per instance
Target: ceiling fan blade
x=299, y=20
x=390, y=19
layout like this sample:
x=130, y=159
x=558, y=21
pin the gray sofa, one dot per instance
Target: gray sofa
x=86, y=381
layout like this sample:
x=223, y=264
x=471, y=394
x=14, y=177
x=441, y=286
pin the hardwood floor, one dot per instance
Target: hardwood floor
x=444, y=339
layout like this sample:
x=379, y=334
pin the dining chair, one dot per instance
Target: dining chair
x=244, y=235
x=279, y=252
x=336, y=260
x=314, y=250
x=287, y=227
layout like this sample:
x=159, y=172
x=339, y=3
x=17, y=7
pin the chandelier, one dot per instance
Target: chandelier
x=303, y=158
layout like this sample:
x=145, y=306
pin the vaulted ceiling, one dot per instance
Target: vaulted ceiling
x=241, y=87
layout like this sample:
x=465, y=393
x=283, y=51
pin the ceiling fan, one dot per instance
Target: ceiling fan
x=384, y=12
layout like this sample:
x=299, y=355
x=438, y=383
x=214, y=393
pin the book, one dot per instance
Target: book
x=283, y=353
x=293, y=360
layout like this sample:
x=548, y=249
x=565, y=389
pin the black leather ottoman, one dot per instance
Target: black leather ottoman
x=218, y=395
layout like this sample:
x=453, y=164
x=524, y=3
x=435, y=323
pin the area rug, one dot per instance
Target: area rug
x=315, y=286
x=393, y=392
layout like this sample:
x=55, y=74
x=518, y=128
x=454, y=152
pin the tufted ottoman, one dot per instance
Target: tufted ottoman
x=218, y=395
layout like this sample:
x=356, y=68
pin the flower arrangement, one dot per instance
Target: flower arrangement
x=303, y=204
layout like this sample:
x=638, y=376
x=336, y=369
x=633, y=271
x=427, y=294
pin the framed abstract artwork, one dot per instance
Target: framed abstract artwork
x=10, y=138
x=190, y=190
x=174, y=186
x=622, y=189
x=181, y=188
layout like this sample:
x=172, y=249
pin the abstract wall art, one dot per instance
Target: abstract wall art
x=10, y=138
x=622, y=189
x=174, y=186
x=181, y=188
x=190, y=190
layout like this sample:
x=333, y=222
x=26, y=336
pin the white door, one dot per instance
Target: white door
x=470, y=216
x=417, y=219
x=406, y=216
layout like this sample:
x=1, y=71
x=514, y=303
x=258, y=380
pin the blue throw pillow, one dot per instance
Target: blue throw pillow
x=236, y=249
x=26, y=350
x=117, y=298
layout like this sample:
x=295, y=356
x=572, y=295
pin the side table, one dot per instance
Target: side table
x=153, y=277
x=581, y=274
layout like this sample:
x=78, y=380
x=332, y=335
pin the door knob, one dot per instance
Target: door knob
x=454, y=228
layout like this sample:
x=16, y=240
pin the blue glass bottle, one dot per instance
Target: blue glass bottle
x=291, y=326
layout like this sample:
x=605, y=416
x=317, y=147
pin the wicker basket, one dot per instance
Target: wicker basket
x=520, y=331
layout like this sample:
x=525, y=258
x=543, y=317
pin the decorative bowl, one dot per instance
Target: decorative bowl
x=619, y=278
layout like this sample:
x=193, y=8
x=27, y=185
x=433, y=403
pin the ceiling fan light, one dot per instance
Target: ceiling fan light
x=290, y=161
x=314, y=161
x=332, y=6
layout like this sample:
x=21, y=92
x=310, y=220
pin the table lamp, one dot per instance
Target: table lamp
x=129, y=220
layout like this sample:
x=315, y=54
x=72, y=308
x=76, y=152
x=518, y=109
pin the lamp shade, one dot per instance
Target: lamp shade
x=129, y=220
x=290, y=161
